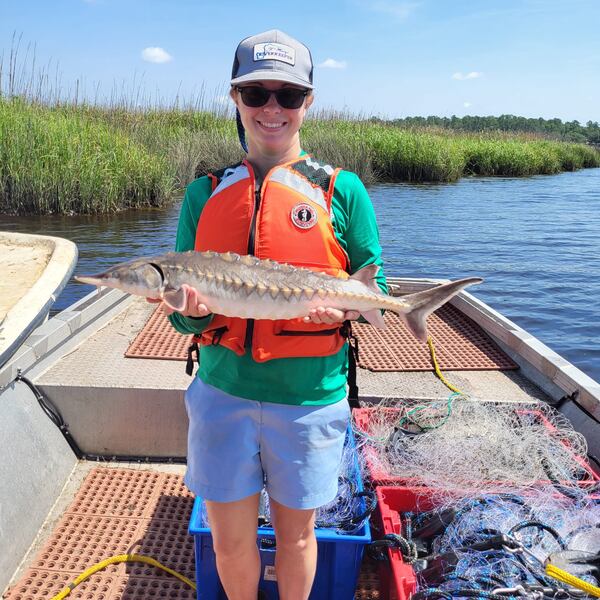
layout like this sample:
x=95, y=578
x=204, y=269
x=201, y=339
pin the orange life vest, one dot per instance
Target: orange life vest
x=288, y=220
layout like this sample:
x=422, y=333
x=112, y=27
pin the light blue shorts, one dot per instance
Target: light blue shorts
x=237, y=446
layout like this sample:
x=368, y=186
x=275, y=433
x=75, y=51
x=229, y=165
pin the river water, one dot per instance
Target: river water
x=536, y=241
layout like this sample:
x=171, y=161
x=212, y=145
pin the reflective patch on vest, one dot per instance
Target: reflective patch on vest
x=315, y=172
x=298, y=183
x=231, y=176
x=316, y=166
x=304, y=216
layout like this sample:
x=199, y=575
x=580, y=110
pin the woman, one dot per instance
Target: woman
x=268, y=406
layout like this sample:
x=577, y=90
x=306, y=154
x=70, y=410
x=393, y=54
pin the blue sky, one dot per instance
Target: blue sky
x=376, y=57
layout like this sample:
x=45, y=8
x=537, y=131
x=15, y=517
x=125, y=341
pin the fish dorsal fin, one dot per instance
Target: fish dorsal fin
x=367, y=275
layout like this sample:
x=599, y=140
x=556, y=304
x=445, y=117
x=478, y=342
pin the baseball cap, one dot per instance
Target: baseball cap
x=272, y=56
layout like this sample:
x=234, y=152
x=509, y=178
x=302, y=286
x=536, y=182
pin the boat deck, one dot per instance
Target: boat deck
x=134, y=406
x=99, y=391
x=100, y=362
x=115, y=509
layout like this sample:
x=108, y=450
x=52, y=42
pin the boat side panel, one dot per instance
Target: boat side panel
x=36, y=463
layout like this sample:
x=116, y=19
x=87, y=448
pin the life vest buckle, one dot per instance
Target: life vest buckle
x=217, y=335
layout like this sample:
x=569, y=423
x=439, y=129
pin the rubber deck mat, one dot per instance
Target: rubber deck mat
x=118, y=511
x=460, y=344
x=158, y=339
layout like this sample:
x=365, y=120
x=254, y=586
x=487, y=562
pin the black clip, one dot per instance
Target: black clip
x=217, y=335
x=189, y=365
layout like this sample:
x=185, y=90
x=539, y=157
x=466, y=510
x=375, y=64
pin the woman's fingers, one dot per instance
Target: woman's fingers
x=195, y=306
x=328, y=316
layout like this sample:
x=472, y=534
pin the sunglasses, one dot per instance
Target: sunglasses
x=256, y=96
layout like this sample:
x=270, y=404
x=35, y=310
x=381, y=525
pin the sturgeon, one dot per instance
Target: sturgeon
x=251, y=288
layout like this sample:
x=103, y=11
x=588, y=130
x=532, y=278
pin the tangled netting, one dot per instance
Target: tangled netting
x=495, y=546
x=349, y=510
x=465, y=446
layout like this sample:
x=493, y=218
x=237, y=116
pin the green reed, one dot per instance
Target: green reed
x=80, y=158
x=62, y=161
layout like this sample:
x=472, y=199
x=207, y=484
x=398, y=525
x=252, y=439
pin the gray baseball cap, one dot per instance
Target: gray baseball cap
x=273, y=56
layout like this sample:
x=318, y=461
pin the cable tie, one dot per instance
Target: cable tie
x=518, y=589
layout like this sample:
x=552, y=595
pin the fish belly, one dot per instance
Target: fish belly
x=231, y=303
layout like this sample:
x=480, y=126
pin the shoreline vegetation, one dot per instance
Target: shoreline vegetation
x=68, y=157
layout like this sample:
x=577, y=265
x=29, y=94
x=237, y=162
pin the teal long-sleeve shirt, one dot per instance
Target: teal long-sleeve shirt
x=298, y=381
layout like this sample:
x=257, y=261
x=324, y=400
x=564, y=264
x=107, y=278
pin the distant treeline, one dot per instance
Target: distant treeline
x=568, y=131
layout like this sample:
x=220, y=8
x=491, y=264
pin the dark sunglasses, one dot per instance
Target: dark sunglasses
x=256, y=96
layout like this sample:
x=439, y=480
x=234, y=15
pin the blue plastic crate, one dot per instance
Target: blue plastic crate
x=338, y=561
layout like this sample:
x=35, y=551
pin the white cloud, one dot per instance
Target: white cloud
x=472, y=75
x=466, y=104
x=156, y=55
x=331, y=63
x=399, y=10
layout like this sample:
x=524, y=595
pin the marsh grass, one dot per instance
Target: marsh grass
x=64, y=155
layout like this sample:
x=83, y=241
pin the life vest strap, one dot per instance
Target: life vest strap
x=346, y=332
x=193, y=347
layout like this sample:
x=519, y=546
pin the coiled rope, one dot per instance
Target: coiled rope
x=573, y=581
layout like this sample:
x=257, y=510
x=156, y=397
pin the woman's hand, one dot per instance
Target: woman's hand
x=329, y=316
x=194, y=303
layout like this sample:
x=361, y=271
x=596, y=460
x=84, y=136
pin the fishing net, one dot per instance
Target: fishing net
x=487, y=545
x=462, y=446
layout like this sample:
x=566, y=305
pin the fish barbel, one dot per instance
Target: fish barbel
x=251, y=288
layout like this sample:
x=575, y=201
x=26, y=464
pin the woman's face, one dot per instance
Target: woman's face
x=271, y=128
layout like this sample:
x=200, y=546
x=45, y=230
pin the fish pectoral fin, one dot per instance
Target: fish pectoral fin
x=174, y=298
x=374, y=317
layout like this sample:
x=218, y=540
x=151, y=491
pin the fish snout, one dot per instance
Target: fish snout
x=143, y=279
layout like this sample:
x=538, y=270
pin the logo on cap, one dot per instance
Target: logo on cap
x=273, y=51
x=304, y=216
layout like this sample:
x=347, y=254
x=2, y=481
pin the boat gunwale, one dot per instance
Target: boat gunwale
x=523, y=347
x=53, y=279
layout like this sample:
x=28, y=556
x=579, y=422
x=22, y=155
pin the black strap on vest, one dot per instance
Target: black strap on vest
x=346, y=331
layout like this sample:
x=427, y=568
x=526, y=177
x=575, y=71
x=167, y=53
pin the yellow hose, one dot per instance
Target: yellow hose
x=437, y=368
x=572, y=580
x=119, y=559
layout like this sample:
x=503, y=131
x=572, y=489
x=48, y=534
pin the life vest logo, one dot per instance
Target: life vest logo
x=304, y=216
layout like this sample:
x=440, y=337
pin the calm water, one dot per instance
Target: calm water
x=536, y=242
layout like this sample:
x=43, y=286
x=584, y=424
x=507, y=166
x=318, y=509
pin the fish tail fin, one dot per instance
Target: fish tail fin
x=415, y=308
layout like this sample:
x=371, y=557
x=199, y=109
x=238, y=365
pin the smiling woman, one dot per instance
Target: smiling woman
x=251, y=415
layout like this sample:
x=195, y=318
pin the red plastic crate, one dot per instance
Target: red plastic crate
x=398, y=579
x=379, y=477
